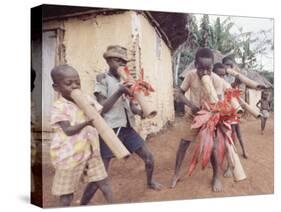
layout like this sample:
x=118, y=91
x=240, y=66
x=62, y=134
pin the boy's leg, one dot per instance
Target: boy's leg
x=216, y=183
x=105, y=187
x=239, y=136
x=144, y=153
x=89, y=192
x=106, y=162
x=65, y=183
x=263, y=122
x=184, y=144
x=92, y=187
x=66, y=199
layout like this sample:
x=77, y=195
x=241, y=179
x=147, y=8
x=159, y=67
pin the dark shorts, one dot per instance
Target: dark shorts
x=129, y=137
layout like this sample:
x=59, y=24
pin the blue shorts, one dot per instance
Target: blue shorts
x=129, y=137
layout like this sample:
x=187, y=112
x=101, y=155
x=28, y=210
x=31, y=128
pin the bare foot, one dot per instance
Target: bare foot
x=227, y=173
x=217, y=185
x=175, y=179
x=155, y=185
x=245, y=155
x=262, y=132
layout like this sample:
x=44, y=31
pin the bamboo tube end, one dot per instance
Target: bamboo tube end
x=151, y=115
x=123, y=155
x=108, y=135
x=241, y=179
x=209, y=87
x=240, y=111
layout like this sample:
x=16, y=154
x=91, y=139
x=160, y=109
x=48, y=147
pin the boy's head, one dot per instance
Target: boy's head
x=228, y=62
x=115, y=57
x=219, y=69
x=65, y=80
x=204, y=59
x=264, y=95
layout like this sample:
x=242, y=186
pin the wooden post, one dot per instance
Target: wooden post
x=108, y=135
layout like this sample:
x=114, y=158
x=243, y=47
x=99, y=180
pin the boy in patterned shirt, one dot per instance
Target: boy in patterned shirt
x=75, y=146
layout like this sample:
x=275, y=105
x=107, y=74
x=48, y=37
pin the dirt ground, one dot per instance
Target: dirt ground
x=128, y=178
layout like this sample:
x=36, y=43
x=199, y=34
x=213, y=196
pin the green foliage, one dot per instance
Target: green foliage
x=224, y=41
x=244, y=45
x=205, y=32
x=216, y=36
x=193, y=33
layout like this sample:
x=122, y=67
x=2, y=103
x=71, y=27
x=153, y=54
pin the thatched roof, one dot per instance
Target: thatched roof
x=174, y=25
x=253, y=75
x=171, y=26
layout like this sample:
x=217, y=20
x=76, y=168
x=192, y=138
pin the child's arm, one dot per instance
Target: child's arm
x=270, y=105
x=107, y=103
x=179, y=96
x=72, y=130
x=258, y=104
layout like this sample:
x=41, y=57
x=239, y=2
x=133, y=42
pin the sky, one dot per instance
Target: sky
x=255, y=25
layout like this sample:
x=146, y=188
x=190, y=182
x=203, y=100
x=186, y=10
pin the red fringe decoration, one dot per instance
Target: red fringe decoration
x=139, y=85
x=213, y=120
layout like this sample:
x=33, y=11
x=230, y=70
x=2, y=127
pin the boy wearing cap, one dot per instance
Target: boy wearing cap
x=119, y=112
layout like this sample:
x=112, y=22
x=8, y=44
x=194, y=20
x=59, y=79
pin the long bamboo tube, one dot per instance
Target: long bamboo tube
x=235, y=104
x=237, y=169
x=108, y=135
x=253, y=111
x=148, y=110
x=250, y=83
x=209, y=88
x=213, y=97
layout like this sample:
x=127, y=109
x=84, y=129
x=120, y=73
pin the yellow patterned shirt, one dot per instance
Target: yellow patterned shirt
x=69, y=151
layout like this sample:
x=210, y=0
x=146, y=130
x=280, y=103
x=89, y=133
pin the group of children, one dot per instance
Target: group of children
x=75, y=155
x=73, y=152
x=222, y=81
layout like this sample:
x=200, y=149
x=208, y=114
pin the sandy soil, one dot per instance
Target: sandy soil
x=129, y=182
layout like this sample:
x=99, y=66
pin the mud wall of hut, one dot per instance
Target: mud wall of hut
x=85, y=39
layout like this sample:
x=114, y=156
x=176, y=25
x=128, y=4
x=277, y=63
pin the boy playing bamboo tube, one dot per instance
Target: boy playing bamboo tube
x=75, y=146
x=265, y=106
x=219, y=69
x=229, y=63
x=204, y=60
x=235, y=83
x=119, y=112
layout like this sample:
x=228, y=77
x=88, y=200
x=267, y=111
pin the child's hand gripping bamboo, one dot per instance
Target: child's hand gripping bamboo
x=103, y=129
